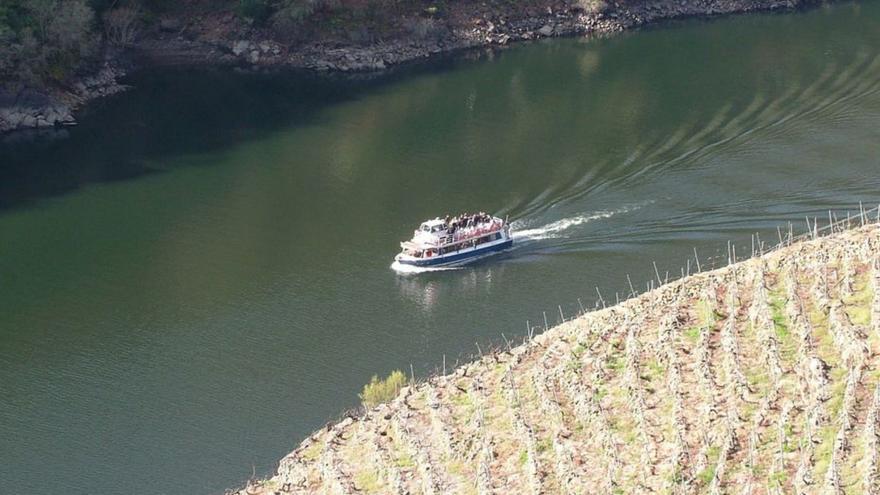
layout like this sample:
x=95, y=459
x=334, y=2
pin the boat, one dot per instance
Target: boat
x=455, y=240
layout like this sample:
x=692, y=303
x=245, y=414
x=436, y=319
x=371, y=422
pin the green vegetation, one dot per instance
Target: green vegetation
x=368, y=481
x=47, y=41
x=293, y=13
x=693, y=334
x=706, y=475
x=544, y=445
x=42, y=40
x=381, y=391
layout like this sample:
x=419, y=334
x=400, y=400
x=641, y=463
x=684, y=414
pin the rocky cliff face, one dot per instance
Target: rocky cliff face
x=759, y=376
x=220, y=37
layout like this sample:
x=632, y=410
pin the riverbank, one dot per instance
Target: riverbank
x=762, y=373
x=220, y=37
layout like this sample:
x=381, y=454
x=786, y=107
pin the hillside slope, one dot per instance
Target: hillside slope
x=760, y=377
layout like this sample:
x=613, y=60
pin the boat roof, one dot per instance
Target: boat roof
x=434, y=222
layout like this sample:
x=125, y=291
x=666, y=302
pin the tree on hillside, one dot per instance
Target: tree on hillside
x=44, y=39
x=121, y=24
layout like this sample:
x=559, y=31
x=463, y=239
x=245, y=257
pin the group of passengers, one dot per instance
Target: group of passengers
x=466, y=220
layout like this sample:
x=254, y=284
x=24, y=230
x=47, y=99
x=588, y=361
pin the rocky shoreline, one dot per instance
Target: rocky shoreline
x=499, y=30
x=170, y=43
x=28, y=108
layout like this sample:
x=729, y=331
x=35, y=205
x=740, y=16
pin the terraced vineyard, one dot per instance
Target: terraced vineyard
x=760, y=377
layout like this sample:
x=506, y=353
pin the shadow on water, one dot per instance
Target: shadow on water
x=175, y=111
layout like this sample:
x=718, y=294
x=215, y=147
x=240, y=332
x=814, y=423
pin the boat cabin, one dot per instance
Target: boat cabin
x=436, y=225
x=455, y=239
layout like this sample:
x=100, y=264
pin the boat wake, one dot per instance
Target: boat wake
x=520, y=233
x=405, y=269
x=556, y=230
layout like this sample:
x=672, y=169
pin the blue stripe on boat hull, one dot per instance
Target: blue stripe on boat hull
x=457, y=258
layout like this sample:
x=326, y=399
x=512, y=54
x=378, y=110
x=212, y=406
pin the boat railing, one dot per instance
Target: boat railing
x=470, y=233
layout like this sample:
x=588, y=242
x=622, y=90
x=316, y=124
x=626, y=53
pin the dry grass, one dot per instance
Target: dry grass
x=760, y=377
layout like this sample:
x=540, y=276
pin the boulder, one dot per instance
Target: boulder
x=29, y=121
x=51, y=115
x=15, y=118
x=253, y=56
x=546, y=30
x=240, y=47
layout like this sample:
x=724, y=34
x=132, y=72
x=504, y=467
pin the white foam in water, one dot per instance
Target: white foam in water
x=555, y=229
x=408, y=269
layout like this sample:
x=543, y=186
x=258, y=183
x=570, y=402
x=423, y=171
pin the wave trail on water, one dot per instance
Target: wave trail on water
x=404, y=269
x=555, y=230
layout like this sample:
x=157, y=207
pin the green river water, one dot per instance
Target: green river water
x=197, y=276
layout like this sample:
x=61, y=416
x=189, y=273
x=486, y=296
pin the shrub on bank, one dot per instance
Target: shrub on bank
x=380, y=391
x=44, y=39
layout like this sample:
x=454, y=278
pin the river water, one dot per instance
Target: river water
x=198, y=275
